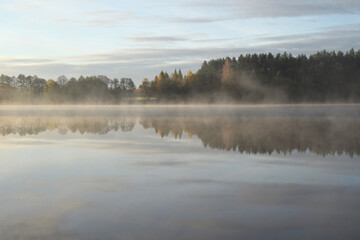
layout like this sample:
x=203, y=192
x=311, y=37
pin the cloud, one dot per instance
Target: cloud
x=24, y=6
x=98, y=18
x=91, y=22
x=334, y=38
x=158, y=39
x=275, y=8
x=101, y=12
x=198, y=19
x=22, y=61
x=138, y=63
x=61, y=20
x=351, y=30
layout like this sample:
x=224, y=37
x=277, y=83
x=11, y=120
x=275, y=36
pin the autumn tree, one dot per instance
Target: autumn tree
x=52, y=92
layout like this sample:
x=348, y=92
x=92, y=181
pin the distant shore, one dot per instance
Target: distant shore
x=220, y=105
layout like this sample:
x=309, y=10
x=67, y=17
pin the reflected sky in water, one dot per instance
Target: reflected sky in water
x=181, y=173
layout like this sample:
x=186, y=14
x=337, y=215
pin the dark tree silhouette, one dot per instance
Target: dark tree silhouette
x=320, y=77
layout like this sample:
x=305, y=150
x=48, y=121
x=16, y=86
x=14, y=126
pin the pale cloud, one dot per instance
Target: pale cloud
x=24, y=6
x=350, y=32
x=24, y=61
x=278, y=8
x=101, y=12
x=147, y=62
x=99, y=18
x=199, y=19
x=138, y=39
x=62, y=20
x=159, y=39
x=138, y=63
x=91, y=22
x=210, y=11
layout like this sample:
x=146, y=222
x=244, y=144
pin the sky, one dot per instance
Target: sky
x=139, y=38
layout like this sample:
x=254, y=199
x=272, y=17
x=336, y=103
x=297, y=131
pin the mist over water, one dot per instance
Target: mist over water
x=180, y=172
x=261, y=130
x=322, y=129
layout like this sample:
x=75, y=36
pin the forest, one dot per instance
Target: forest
x=252, y=78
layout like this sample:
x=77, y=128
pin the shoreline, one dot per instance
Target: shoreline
x=103, y=106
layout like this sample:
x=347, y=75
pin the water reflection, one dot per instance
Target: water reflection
x=143, y=174
x=35, y=125
x=229, y=130
x=259, y=135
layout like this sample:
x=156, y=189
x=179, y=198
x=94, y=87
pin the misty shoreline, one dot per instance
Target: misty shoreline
x=189, y=105
x=321, y=129
x=323, y=77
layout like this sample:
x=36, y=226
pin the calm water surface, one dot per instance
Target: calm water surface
x=280, y=172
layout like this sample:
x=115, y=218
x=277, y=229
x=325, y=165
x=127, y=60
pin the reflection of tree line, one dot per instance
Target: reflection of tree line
x=259, y=135
x=35, y=125
x=249, y=135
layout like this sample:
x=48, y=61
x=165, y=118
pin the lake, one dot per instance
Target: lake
x=180, y=172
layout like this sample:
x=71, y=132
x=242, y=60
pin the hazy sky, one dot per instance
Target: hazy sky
x=139, y=38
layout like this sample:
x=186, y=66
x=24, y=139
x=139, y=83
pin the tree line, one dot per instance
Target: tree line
x=93, y=89
x=323, y=76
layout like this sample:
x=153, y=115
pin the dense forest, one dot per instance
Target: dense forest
x=94, y=89
x=324, y=76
